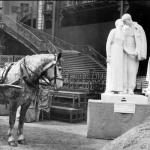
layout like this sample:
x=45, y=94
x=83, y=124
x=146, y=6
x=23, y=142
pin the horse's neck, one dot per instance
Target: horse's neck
x=37, y=62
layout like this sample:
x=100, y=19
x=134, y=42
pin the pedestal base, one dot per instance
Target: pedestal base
x=104, y=123
x=117, y=98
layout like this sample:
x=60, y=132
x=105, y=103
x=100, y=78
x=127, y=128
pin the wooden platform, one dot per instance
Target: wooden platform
x=67, y=114
x=70, y=99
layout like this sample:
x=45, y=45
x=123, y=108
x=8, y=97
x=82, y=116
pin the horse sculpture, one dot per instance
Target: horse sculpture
x=25, y=75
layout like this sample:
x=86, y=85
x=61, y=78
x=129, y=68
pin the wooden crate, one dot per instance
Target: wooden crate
x=70, y=99
x=67, y=114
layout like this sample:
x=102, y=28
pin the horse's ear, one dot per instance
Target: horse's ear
x=59, y=56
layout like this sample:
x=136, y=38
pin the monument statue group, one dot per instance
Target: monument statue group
x=119, y=109
x=126, y=45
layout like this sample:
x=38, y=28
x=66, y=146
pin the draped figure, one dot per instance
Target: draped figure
x=114, y=50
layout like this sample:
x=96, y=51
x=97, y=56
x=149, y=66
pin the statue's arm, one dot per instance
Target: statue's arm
x=141, y=43
x=109, y=43
x=144, y=44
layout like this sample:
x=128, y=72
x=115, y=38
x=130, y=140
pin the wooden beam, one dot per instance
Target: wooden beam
x=53, y=19
x=121, y=8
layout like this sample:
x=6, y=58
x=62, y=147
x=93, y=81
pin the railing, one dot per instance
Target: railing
x=5, y=59
x=63, y=45
x=74, y=3
x=29, y=36
x=10, y=58
x=20, y=38
x=87, y=49
x=50, y=46
x=56, y=41
x=77, y=2
x=45, y=42
x=93, y=82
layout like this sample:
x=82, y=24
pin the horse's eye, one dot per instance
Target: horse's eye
x=60, y=68
x=43, y=73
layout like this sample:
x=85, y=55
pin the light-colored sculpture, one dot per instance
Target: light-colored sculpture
x=135, y=48
x=114, y=50
x=126, y=45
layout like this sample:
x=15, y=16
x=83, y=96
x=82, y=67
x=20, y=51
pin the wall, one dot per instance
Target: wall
x=7, y=7
x=91, y=34
x=14, y=47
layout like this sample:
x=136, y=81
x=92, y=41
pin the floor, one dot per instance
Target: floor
x=51, y=135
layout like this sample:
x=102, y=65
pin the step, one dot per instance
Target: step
x=67, y=114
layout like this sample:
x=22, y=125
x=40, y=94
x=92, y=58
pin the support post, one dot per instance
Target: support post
x=32, y=14
x=53, y=19
x=121, y=8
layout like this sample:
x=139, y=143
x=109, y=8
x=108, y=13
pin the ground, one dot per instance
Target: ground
x=51, y=135
x=137, y=138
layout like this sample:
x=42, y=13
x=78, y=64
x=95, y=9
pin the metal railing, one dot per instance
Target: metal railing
x=66, y=46
x=92, y=53
x=45, y=42
x=29, y=36
x=91, y=81
x=75, y=3
x=47, y=37
x=50, y=46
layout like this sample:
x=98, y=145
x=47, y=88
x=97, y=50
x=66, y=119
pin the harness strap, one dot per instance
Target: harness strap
x=28, y=79
x=5, y=72
x=26, y=76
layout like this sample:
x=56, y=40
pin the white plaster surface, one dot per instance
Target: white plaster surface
x=104, y=123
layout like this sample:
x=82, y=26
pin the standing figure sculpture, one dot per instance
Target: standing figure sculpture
x=114, y=50
x=126, y=45
x=135, y=50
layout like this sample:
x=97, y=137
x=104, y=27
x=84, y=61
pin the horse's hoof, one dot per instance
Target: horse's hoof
x=21, y=142
x=13, y=143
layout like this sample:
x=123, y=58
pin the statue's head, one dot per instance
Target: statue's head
x=127, y=19
x=119, y=23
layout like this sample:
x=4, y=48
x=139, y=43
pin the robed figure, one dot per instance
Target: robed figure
x=126, y=45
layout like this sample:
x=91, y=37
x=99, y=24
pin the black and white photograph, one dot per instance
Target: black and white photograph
x=74, y=75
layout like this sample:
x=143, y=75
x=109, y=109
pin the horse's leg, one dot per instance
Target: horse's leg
x=12, y=118
x=24, y=108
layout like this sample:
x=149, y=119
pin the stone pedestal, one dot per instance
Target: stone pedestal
x=117, y=98
x=108, y=119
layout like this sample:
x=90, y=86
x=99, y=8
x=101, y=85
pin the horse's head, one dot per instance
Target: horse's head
x=53, y=72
